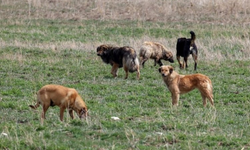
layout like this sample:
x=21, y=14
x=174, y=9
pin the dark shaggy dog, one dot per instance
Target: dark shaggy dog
x=119, y=57
x=155, y=51
x=184, y=48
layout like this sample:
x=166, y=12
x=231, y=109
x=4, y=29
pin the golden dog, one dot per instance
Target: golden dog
x=180, y=84
x=155, y=51
x=65, y=98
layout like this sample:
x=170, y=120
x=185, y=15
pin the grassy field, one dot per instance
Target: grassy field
x=38, y=49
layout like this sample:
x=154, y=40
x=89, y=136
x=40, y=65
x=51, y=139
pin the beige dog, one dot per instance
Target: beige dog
x=155, y=51
x=180, y=84
x=51, y=95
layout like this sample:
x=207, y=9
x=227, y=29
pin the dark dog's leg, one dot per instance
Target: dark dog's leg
x=114, y=69
x=185, y=65
x=178, y=59
x=194, y=55
x=126, y=71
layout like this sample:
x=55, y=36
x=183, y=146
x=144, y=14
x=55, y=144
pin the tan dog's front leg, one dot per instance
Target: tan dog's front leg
x=175, y=98
x=71, y=113
x=61, y=113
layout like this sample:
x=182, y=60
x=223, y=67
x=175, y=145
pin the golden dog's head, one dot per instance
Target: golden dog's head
x=166, y=70
x=101, y=49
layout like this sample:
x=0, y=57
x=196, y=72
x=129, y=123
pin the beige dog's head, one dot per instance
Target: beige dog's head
x=166, y=70
x=169, y=57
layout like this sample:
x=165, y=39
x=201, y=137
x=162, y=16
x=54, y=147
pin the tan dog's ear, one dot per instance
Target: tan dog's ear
x=159, y=69
x=171, y=69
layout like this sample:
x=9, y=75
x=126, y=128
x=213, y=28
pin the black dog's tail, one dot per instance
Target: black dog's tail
x=193, y=37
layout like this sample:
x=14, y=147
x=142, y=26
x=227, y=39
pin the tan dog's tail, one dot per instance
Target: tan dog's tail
x=34, y=107
x=37, y=104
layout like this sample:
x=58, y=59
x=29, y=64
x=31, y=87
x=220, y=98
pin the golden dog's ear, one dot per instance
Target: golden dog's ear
x=159, y=69
x=171, y=69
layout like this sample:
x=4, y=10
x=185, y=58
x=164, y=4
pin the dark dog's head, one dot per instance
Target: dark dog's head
x=101, y=50
x=169, y=57
x=166, y=70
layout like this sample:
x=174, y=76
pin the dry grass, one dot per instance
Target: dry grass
x=200, y=11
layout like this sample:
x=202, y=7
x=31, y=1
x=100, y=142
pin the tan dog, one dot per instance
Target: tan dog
x=180, y=84
x=155, y=51
x=51, y=95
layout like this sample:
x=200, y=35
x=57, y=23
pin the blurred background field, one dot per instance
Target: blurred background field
x=54, y=41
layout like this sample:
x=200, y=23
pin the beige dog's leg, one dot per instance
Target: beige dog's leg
x=138, y=73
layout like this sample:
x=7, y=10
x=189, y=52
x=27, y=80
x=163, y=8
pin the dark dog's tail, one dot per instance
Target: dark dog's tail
x=132, y=62
x=193, y=37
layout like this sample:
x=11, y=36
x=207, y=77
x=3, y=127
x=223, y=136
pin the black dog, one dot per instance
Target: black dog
x=184, y=48
x=119, y=57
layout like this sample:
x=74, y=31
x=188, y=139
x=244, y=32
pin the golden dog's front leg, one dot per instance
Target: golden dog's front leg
x=175, y=98
x=62, y=109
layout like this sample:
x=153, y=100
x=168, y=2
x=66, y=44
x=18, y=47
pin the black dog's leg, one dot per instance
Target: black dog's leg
x=185, y=60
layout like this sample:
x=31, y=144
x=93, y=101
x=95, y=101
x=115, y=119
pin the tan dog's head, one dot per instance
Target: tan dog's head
x=169, y=57
x=166, y=70
x=80, y=107
x=101, y=50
